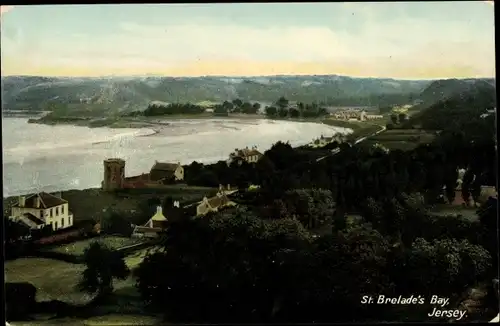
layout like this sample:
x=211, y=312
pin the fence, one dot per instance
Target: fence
x=127, y=250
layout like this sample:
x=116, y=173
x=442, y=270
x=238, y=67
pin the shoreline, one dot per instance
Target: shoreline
x=355, y=130
x=145, y=122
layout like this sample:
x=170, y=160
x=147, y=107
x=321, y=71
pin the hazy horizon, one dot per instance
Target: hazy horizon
x=399, y=40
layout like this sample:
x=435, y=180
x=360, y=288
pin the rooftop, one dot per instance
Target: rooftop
x=165, y=166
x=46, y=201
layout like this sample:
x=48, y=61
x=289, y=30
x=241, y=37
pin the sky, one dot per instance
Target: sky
x=406, y=40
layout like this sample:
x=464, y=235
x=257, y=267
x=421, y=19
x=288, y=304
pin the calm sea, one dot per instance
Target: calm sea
x=40, y=157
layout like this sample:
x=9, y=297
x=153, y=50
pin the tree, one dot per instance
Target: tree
x=237, y=103
x=102, y=265
x=313, y=207
x=14, y=230
x=228, y=106
x=336, y=272
x=115, y=223
x=294, y=113
x=248, y=108
x=256, y=107
x=394, y=119
x=222, y=268
x=221, y=110
x=282, y=102
x=444, y=266
x=282, y=112
x=271, y=111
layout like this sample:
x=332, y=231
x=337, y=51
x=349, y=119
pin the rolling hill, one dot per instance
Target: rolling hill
x=103, y=96
x=440, y=90
x=457, y=102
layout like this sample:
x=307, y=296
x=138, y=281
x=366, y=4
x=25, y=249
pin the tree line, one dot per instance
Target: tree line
x=282, y=109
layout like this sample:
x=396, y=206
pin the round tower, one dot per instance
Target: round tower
x=114, y=174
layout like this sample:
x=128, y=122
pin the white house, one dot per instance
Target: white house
x=249, y=155
x=42, y=209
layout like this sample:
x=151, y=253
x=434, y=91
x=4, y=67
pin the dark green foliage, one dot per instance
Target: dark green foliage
x=173, y=108
x=20, y=300
x=116, y=223
x=444, y=266
x=102, y=265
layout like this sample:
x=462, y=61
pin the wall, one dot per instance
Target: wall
x=63, y=214
x=179, y=173
x=17, y=211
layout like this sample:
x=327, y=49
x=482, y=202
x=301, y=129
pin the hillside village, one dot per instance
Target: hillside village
x=344, y=188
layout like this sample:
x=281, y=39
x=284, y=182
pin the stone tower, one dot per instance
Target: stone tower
x=114, y=174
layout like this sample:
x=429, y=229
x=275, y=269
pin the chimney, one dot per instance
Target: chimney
x=221, y=187
x=22, y=201
x=57, y=194
x=176, y=204
x=228, y=186
x=158, y=210
x=37, y=201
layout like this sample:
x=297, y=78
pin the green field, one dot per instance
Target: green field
x=56, y=280
x=402, y=139
x=78, y=247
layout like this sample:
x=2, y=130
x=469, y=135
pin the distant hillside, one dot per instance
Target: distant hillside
x=104, y=96
x=463, y=104
x=440, y=90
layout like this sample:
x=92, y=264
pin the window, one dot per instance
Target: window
x=62, y=209
x=69, y=220
x=62, y=222
x=41, y=213
x=57, y=211
x=51, y=212
x=55, y=225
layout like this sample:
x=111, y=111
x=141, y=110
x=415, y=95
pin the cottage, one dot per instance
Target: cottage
x=158, y=220
x=213, y=204
x=157, y=223
x=249, y=155
x=166, y=172
x=42, y=209
x=323, y=141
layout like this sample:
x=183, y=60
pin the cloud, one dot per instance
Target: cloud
x=370, y=45
x=196, y=41
x=5, y=9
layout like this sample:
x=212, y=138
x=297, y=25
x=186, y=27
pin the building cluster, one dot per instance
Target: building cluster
x=160, y=174
x=323, y=141
x=42, y=209
x=159, y=221
x=355, y=115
